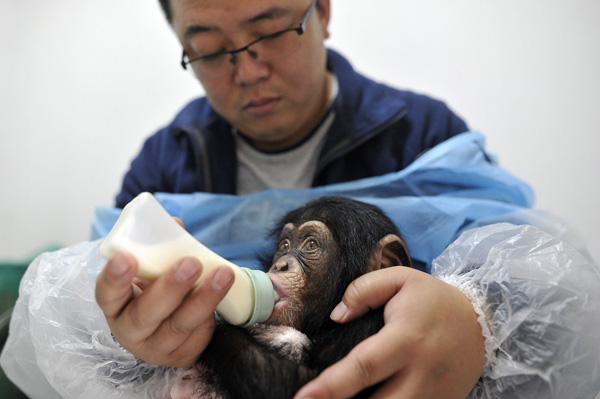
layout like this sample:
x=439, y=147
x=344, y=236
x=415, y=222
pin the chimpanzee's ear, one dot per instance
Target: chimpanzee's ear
x=390, y=251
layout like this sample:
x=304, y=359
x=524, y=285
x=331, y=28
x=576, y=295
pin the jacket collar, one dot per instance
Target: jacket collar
x=366, y=107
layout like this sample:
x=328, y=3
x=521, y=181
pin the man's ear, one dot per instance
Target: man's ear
x=390, y=251
x=324, y=13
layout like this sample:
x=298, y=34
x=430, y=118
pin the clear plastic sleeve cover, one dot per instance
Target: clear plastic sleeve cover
x=59, y=343
x=541, y=301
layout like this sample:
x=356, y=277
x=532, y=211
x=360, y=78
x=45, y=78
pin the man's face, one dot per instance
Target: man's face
x=274, y=102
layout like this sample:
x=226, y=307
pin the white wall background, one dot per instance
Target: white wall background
x=82, y=83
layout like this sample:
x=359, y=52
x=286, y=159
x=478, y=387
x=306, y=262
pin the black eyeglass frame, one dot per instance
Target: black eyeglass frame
x=300, y=30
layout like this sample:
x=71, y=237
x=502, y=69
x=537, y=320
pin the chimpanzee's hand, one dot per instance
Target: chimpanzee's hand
x=431, y=345
x=167, y=322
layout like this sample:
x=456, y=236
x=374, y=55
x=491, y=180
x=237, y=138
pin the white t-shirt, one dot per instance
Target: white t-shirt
x=293, y=168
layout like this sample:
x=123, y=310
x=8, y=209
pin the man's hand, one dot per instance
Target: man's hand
x=167, y=322
x=431, y=345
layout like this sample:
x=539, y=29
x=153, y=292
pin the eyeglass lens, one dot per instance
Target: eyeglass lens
x=266, y=49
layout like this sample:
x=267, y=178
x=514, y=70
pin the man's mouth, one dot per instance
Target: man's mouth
x=262, y=106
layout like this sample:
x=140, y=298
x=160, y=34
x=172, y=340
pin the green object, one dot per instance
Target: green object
x=10, y=278
x=11, y=273
x=263, y=296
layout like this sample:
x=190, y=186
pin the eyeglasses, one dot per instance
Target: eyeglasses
x=275, y=45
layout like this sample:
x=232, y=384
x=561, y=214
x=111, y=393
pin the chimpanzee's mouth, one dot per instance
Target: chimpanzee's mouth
x=279, y=293
x=276, y=295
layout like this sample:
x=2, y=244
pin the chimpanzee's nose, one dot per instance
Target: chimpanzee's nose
x=283, y=264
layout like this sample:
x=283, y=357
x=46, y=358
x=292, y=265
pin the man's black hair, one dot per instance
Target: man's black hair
x=166, y=6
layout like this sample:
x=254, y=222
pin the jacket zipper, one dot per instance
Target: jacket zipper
x=342, y=148
x=348, y=145
x=202, y=167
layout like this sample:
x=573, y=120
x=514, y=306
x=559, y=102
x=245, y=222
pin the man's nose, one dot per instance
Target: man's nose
x=249, y=68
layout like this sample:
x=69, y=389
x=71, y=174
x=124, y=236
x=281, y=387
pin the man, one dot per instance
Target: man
x=282, y=111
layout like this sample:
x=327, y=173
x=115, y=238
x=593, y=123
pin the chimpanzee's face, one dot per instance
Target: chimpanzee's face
x=302, y=252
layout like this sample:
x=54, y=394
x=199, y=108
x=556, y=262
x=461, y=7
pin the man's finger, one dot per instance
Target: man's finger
x=160, y=299
x=197, y=309
x=113, y=286
x=405, y=385
x=370, y=291
x=358, y=370
x=204, y=299
x=179, y=221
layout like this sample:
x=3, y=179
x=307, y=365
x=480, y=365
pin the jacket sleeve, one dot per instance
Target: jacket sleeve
x=429, y=122
x=144, y=173
x=537, y=300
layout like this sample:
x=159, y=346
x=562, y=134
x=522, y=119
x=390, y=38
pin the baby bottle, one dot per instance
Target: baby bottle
x=146, y=231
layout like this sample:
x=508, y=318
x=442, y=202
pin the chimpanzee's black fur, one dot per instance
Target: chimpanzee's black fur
x=243, y=367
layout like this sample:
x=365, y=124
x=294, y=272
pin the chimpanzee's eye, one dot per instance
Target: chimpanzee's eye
x=284, y=246
x=312, y=245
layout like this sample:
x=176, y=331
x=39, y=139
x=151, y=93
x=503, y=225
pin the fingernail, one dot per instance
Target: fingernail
x=339, y=312
x=119, y=266
x=186, y=270
x=222, y=278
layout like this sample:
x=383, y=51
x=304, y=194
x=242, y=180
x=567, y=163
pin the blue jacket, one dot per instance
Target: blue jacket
x=377, y=130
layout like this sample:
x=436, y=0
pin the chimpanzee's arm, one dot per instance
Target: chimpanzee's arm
x=245, y=368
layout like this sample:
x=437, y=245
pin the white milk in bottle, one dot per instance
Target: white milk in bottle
x=146, y=231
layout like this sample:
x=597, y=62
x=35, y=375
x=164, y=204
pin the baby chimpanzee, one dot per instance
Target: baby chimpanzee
x=322, y=247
